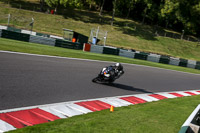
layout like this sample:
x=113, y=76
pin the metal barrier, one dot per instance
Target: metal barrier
x=192, y=124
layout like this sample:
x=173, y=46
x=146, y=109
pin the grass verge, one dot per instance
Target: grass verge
x=125, y=33
x=165, y=116
x=18, y=46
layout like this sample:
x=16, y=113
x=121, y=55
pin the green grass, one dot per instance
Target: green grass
x=18, y=46
x=82, y=21
x=165, y=116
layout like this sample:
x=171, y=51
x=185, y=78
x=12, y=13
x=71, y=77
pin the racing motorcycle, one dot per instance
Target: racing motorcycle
x=107, y=75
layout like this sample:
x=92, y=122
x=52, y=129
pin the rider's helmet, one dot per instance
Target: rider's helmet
x=119, y=66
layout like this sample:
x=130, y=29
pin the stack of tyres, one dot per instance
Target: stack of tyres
x=174, y=61
x=96, y=49
x=164, y=59
x=42, y=40
x=183, y=63
x=15, y=35
x=126, y=53
x=198, y=65
x=67, y=44
x=141, y=56
x=0, y=32
x=110, y=50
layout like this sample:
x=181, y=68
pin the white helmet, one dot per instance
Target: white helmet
x=119, y=66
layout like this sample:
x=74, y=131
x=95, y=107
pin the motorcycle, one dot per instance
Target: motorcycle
x=107, y=75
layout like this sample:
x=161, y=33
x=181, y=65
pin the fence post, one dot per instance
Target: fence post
x=8, y=19
x=182, y=34
x=31, y=24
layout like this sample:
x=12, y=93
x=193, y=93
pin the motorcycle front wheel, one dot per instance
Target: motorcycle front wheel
x=95, y=80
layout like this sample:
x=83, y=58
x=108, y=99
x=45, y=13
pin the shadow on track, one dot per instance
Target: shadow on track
x=126, y=87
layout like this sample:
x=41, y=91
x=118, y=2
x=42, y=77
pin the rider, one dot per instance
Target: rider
x=115, y=71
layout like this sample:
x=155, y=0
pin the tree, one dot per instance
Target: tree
x=101, y=10
x=53, y=3
x=168, y=12
x=114, y=8
x=41, y=5
x=148, y=4
x=131, y=6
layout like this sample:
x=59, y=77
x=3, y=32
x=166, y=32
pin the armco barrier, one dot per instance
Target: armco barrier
x=15, y=35
x=28, y=32
x=66, y=44
x=43, y=35
x=96, y=49
x=111, y=50
x=192, y=124
x=56, y=37
x=164, y=59
x=191, y=64
x=3, y=27
x=126, y=53
x=141, y=56
x=42, y=40
x=153, y=58
x=174, y=61
x=183, y=63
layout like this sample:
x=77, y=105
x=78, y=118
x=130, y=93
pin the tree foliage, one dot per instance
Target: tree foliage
x=175, y=14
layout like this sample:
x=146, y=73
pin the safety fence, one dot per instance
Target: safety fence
x=142, y=56
x=35, y=37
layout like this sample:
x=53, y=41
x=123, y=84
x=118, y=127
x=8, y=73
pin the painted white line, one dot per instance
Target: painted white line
x=195, y=92
x=66, y=110
x=183, y=93
x=4, y=127
x=116, y=102
x=146, y=97
x=52, y=111
x=166, y=94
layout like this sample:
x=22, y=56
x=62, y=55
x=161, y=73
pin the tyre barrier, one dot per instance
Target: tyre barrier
x=67, y=44
x=96, y=49
x=42, y=40
x=110, y=50
x=174, y=61
x=153, y=58
x=142, y=56
x=35, y=37
x=164, y=59
x=183, y=62
x=0, y=32
x=29, y=36
x=191, y=64
x=15, y=35
x=126, y=53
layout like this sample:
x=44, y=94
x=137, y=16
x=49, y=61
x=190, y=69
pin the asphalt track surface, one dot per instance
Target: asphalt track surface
x=27, y=80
